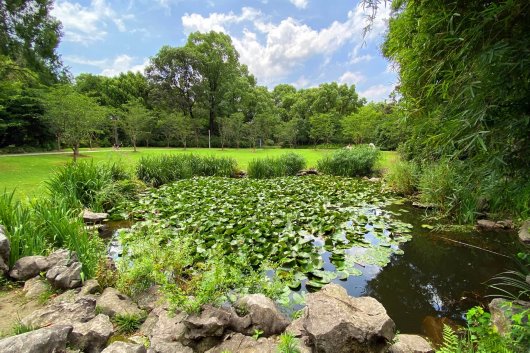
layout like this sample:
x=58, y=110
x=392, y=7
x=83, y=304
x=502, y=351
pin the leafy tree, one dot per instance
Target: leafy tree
x=29, y=36
x=184, y=126
x=235, y=128
x=361, y=127
x=218, y=65
x=167, y=125
x=322, y=127
x=288, y=132
x=135, y=120
x=72, y=115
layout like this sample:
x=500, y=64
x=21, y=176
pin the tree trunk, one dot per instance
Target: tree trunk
x=212, y=120
x=184, y=144
x=58, y=142
x=168, y=143
x=76, y=151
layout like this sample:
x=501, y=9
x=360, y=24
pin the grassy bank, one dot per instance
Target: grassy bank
x=26, y=173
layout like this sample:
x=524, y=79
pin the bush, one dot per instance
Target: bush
x=288, y=164
x=403, y=177
x=79, y=183
x=357, y=161
x=164, y=169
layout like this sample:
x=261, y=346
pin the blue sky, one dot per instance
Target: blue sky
x=301, y=42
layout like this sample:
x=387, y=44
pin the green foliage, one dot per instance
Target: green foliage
x=238, y=224
x=402, y=177
x=288, y=343
x=128, y=323
x=136, y=120
x=354, y=162
x=86, y=184
x=19, y=328
x=288, y=164
x=257, y=334
x=164, y=169
x=513, y=285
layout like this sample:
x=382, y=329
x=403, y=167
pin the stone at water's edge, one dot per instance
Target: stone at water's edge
x=502, y=311
x=334, y=322
x=90, y=217
x=410, y=344
x=524, y=233
x=45, y=340
x=122, y=347
x=264, y=315
x=245, y=344
x=5, y=251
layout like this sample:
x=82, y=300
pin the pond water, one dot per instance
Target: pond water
x=435, y=278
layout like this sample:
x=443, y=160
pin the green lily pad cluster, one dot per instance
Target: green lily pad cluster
x=297, y=223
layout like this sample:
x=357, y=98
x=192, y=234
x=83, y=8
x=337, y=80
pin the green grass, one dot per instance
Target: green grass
x=27, y=174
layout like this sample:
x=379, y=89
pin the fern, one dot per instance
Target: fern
x=451, y=342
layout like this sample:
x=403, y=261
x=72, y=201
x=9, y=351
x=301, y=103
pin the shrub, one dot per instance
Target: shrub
x=79, y=183
x=357, y=161
x=128, y=323
x=159, y=170
x=288, y=164
x=403, y=177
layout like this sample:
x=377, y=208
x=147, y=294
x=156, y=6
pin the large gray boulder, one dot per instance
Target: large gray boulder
x=35, y=287
x=5, y=251
x=245, y=344
x=337, y=323
x=82, y=310
x=502, y=312
x=123, y=347
x=211, y=322
x=61, y=257
x=410, y=344
x=524, y=233
x=45, y=340
x=164, y=326
x=91, y=336
x=28, y=267
x=168, y=347
x=112, y=303
x=65, y=276
x=264, y=315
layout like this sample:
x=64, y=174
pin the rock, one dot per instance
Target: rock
x=337, y=323
x=374, y=179
x=35, y=287
x=502, y=312
x=245, y=344
x=168, y=347
x=90, y=287
x=211, y=322
x=112, y=303
x=149, y=299
x=264, y=314
x=432, y=327
x=524, y=233
x=93, y=335
x=82, y=310
x=65, y=277
x=161, y=326
x=123, y=347
x=90, y=217
x=410, y=344
x=487, y=224
x=45, y=340
x=28, y=267
x=240, y=174
x=5, y=251
x=307, y=172
x=506, y=224
x=62, y=257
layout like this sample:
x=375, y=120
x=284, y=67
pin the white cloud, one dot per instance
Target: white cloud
x=301, y=4
x=85, y=24
x=217, y=21
x=377, y=93
x=361, y=58
x=111, y=67
x=351, y=77
x=287, y=44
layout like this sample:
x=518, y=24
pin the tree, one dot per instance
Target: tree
x=236, y=128
x=218, y=65
x=361, y=127
x=135, y=120
x=288, y=132
x=184, y=126
x=29, y=36
x=72, y=115
x=322, y=127
x=167, y=124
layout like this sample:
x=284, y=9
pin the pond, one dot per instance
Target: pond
x=318, y=230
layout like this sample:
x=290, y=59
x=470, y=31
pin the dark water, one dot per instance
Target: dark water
x=435, y=278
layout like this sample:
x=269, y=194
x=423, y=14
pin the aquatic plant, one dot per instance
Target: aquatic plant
x=357, y=161
x=288, y=164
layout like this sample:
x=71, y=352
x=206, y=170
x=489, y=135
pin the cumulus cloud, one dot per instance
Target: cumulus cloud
x=351, y=77
x=377, y=93
x=274, y=50
x=86, y=24
x=111, y=67
x=301, y=4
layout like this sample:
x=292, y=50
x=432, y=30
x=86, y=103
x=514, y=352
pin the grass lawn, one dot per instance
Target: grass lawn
x=27, y=173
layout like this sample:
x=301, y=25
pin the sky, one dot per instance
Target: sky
x=300, y=42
